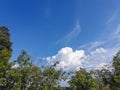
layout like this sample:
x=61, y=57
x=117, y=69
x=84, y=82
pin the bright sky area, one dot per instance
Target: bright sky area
x=77, y=33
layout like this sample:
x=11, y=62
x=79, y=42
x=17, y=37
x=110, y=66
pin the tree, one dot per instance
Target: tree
x=103, y=76
x=83, y=81
x=50, y=78
x=5, y=46
x=30, y=73
x=115, y=85
x=12, y=78
x=33, y=77
x=109, y=79
x=5, y=54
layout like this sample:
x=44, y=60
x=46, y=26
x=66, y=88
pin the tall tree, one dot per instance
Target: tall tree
x=5, y=53
x=5, y=46
x=115, y=85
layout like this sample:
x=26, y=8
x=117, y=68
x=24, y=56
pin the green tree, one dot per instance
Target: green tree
x=5, y=54
x=115, y=83
x=50, y=78
x=103, y=76
x=5, y=46
x=26, y=76
x=12, y=78
x=111, y=78
x=30, y=73
x=33, y=77
x=83, y=81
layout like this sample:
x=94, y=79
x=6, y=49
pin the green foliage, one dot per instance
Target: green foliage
x=5, y=54
x=103, y=76
x=110, y=79
x=5, y=45
x=115, y=85
x=24, y=59
x=83, y=81
x=30, y=74
x=33, y=77
x=50, y=77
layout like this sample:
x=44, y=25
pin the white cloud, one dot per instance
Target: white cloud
x=74, y=33
x=102, y=66
x=91, y=46
x=69, y=60
x=71, y=35
x=96, y=58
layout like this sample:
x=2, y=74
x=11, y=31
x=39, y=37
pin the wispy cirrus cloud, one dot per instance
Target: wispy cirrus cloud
x=71, y=35
x=109, y=41
x=91, y=46
x=113, y=17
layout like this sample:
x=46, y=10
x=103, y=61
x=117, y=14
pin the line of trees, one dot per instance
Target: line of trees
x=22, y=74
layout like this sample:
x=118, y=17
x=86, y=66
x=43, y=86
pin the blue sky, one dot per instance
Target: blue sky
x=46, y=28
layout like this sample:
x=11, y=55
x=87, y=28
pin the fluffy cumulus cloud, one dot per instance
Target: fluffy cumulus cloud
x=69, y=60
x=97, y=59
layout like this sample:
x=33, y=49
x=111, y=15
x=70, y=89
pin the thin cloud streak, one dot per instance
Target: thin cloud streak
x=113, y=17
x=91, y=46
x=70, y=36
x=110, y=41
